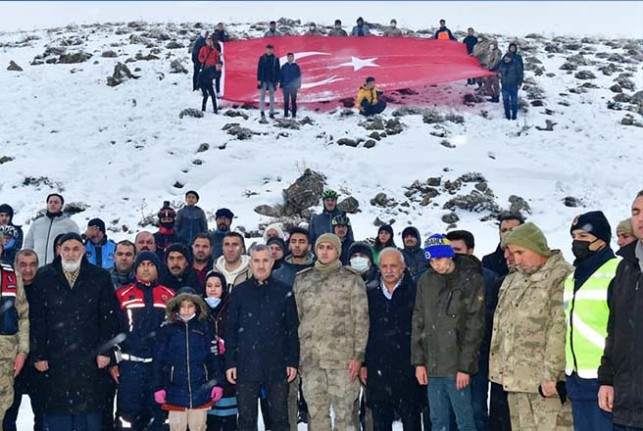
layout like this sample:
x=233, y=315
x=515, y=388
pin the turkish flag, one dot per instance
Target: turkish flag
x=334, y=67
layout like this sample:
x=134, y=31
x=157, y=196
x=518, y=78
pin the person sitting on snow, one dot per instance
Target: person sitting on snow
x=367, y=99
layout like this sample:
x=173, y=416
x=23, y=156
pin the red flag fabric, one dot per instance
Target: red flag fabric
x=334, y=67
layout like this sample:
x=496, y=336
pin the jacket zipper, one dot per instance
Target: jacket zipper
x=51, y=223
x=187, y=348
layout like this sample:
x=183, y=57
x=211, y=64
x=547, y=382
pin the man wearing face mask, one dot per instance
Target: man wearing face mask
x=587, y=312
x=360, y=258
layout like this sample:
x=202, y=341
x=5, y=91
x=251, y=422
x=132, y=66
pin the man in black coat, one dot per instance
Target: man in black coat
x=511, y=76
x=413, y=252
x=70, y=338
x=290, y=81
x=179, y=272
x=267, y=79
x=470, y=41
x=198, y=44
x=620, y=373
x=496, y=261
x=390, y=380
x=262, y=345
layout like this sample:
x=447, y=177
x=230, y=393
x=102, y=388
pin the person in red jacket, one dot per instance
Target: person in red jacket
x=209, y=58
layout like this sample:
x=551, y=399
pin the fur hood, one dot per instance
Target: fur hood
x=173, y=307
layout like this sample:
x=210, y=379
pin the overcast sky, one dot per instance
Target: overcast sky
x=601, y=18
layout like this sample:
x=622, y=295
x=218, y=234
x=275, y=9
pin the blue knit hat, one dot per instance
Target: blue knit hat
x=437, y=246
x=147, y=255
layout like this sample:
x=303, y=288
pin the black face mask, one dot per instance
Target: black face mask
x=167, y=225
x=581, y=249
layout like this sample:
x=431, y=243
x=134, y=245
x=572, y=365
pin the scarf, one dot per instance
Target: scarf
x=327, y=268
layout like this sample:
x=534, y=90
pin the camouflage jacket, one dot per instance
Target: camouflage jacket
x=528, y=341
x=333, y=317
x=14, y=316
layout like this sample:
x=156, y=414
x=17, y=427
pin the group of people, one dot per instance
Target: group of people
x=184, y=327
x=271, y=75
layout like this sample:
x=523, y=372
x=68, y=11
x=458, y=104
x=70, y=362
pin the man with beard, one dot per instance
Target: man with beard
x=234, y=262
x=44, y=229
x=70, y=338
x=121, y=272
x=300, y=258
x=28, y=381
x=140, y=311
x=166, y=236
x=496, y=261
x=223, y=219
x=179, y=271
x=202, y=256
x=145, y=241
x=413, y=252
x=14, y=332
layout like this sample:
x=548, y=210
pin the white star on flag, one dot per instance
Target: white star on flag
x=358, y=63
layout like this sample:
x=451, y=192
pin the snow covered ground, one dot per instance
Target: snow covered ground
x=121, y=150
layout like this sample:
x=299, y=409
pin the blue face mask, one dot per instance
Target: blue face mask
x=213, y=302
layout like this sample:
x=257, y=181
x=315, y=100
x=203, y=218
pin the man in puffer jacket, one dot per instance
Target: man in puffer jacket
x=44, y=230
x=187, y=377
x=191, y=219
x=511, y=76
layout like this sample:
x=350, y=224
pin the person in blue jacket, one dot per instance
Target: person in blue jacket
x=198, y=44
x=191, y=219
x=99, y=249
x=290, y=82
x=187, y=375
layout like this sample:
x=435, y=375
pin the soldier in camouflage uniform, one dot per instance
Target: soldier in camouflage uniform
x=528, y=343
x=333, y=332
x=14, y=332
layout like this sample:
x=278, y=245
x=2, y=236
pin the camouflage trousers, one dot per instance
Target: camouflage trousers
x=6, y=386
x=531, y=412
x=324, y=388
x=360, y=408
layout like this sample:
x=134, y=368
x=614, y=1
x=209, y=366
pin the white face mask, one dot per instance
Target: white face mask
x=360, y=264
x=186, y=319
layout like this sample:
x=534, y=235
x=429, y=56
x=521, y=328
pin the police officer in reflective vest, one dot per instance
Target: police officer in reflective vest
x=587, y=312
x=14, y=332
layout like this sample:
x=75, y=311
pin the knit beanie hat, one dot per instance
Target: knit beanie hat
x=361, y=247
x=528, y=235
x=181, y=248
x=593, y=222
x=147, y=255
x=330, y=239
x=625, y=226
x=98, y=223
x=438, y=246
x=280, y=242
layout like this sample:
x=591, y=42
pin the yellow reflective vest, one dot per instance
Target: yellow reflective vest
x=586, y=314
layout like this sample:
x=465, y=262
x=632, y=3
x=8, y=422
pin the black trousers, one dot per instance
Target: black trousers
x=384, y=415
x=277, y=397
x=499, y=419
x=222, y=423
x=290, y=100
x=195, y=76
x=208, y=90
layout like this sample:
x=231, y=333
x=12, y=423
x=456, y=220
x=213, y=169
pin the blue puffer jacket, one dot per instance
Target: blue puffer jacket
x=101, y=254
x=185, y=365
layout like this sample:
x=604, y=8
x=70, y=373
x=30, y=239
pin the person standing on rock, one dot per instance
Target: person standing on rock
x=209, y=58
x=470, y=41
x=322, y=223
x=267, y=79
x=196, y=49
x=44, y=230
x=290, y=82
x=511, y=77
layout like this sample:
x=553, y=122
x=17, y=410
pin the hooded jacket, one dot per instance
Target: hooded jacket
x=184, y=362
x=623, y=354
x=239, y=275
x=414, y=257
x=42, y=233
x=448, y=319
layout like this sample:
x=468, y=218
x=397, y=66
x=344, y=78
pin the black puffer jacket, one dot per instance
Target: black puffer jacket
x=414, y=257
x=623, y=355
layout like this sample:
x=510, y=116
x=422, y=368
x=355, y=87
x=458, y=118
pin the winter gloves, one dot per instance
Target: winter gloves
x=159, y=396
x=216, y=394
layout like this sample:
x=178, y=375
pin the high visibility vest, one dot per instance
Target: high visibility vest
x=586, y=314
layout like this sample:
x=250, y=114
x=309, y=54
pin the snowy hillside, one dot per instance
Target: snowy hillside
x=121, y=151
